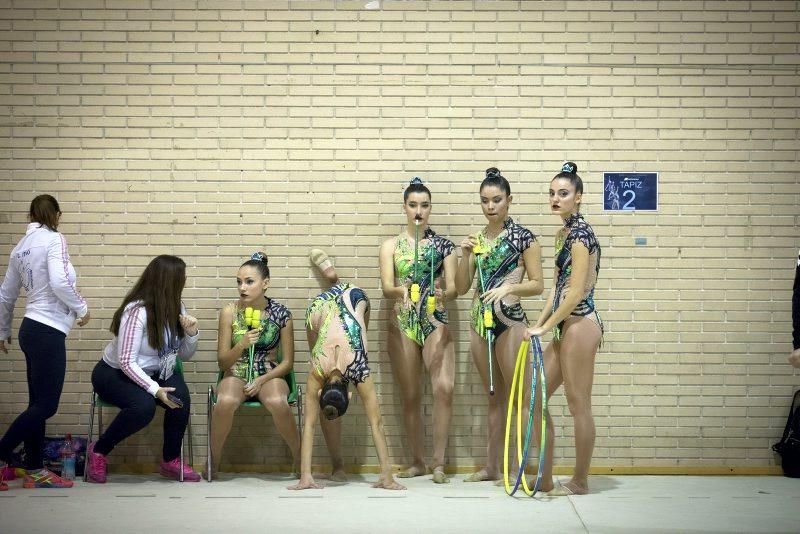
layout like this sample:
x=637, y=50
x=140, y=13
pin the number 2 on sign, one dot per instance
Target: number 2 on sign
x=632, y=195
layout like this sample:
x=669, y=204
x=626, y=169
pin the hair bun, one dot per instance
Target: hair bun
x=493, y=172
x=569, y=167
x=260, y=256
x=416, y=181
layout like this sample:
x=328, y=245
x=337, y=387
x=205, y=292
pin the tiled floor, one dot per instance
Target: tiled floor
x=261, y=503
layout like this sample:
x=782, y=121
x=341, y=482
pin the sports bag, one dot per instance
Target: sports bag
x=789, y=446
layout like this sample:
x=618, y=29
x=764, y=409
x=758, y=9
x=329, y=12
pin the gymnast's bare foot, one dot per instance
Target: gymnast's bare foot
x=483, y=474
x=324, y=264
x=571, y=487
x=531, y=481
x=439, y=477
x=388, y=482
x=306, y=482
x=413, y=471
x=512, y=475
x=338, y=474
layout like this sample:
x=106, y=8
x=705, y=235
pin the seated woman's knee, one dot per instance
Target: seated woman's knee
x=144, y=411
x=276, y=403
x=226, y=404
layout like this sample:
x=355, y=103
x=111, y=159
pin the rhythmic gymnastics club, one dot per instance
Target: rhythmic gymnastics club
x=248, y=319
x=415, y=285
x=254, y=321
x=488, y=321
x=431, y=296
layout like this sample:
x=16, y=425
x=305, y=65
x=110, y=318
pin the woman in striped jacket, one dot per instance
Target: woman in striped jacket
x=151, y=331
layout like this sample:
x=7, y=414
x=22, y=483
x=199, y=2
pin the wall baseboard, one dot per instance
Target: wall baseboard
x=709, y=470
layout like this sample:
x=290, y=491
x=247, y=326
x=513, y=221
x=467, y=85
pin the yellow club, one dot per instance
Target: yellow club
x=488, y=321
x=415, y=293
x=431, y=304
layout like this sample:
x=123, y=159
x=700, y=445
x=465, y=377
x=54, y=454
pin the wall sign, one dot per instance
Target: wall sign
x=630, y=191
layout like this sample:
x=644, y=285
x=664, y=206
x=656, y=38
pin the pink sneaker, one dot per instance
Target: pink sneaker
x=8, y=473
x=96, y=463
x=44, y=479
x=172, y=469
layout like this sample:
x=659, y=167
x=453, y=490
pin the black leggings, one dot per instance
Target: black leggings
x=46, y=358
x=137, y=408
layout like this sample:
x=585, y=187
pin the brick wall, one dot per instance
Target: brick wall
x=209, y=130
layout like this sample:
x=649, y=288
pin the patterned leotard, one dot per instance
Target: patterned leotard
x=332, y=314
x=273, y=318
x=502, y=264
x=415, y=322
x=576, y=230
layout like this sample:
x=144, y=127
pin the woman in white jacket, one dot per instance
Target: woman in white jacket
x=137, y=372
x=40, y=264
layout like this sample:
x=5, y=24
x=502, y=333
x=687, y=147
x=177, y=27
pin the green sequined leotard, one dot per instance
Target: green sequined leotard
x=273, y=319
x=332, y=314
x=502, y=264
x=415, y=322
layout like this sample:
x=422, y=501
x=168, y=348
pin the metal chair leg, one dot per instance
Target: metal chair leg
x=191, y=447
x=180, y=477
x=99, y=419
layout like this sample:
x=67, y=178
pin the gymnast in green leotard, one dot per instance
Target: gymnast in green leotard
x=336, y=326
x=508, y=254
x=268, y=384
x=416, y=266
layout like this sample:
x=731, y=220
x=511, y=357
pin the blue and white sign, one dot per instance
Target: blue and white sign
x=630, y=191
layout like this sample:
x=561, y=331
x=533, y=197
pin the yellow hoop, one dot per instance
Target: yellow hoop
x=517, y=384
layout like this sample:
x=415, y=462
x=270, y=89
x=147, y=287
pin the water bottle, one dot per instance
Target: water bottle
x=68, y=459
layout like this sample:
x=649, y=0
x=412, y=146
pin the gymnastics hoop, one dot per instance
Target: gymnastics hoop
x=537, y=377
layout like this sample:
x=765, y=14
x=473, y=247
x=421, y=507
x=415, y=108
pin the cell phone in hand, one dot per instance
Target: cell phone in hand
x=175, y=400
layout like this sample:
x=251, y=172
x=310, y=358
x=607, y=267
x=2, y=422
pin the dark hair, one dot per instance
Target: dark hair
x=45, y=211
x=494, y=178
x=260, y=261
x=334, y=400
x=416, y=186
x=159, y=287
x=569, y=171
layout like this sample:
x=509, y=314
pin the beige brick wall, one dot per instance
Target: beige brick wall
x=210, y=129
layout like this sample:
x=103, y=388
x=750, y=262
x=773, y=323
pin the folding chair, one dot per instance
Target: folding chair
x=99, y=403
x=295, y=399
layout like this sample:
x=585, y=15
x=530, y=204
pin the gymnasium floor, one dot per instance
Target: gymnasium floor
x=244, y=503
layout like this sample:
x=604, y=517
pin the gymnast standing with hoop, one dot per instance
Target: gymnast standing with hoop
x=577, y=329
